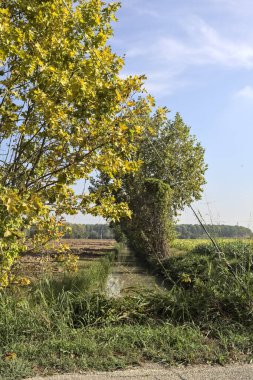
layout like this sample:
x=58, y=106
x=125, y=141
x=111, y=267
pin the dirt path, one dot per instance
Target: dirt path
x=153, y=372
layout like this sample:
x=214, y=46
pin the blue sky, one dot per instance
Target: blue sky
x=198, y=58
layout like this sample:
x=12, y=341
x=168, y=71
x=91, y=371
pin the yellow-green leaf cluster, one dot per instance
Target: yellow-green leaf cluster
x=65, y=113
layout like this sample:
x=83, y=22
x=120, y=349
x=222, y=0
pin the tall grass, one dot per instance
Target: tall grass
x=69, y=323
x=212, y=285
x=47, y=305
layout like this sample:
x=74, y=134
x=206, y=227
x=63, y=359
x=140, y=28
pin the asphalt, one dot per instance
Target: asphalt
x=231, y=372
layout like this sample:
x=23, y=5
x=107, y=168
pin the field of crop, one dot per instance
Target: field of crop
x=62, y=256
x=84, y=245
x=187, y=245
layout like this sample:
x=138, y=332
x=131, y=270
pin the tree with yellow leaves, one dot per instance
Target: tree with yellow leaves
x=65, y=112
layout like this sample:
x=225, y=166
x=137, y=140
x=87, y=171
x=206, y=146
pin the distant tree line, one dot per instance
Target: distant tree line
x=195, y=231
x=183, y=231
x=89, y=231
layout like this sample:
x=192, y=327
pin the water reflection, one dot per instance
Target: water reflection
x=128, y=274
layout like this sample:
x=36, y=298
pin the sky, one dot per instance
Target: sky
x=198, y=59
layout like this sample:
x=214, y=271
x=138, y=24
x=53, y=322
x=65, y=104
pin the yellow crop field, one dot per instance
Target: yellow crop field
x=189, y=244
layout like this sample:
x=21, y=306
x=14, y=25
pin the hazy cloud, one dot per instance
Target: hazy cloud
x=201, y=45
x=168, y=58
x=245, y=92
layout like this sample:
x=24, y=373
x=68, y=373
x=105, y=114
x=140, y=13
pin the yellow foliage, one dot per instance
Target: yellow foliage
x=185, y=278
x=24, y=281
x=9, y=356
x=67, y=112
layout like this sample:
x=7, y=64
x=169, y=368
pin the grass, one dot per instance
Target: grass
x=68, y=324
x=113, y=347
x=49, y=344
x=112, y=334
x=198, y=261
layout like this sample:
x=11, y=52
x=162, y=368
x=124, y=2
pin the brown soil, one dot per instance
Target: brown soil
x=45, y=262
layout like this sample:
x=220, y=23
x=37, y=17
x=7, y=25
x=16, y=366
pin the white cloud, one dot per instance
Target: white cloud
x=166, y=59
x=202, y=45
x=245, y=92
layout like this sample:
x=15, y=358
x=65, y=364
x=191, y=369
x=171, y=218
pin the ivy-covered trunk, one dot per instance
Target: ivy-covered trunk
x=151, y=227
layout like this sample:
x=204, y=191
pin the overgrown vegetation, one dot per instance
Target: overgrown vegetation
x=150, y=230
x=69, y=323
x=164, y=184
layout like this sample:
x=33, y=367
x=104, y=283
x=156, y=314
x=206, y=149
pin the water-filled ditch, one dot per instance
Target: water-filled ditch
x=129, y=274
